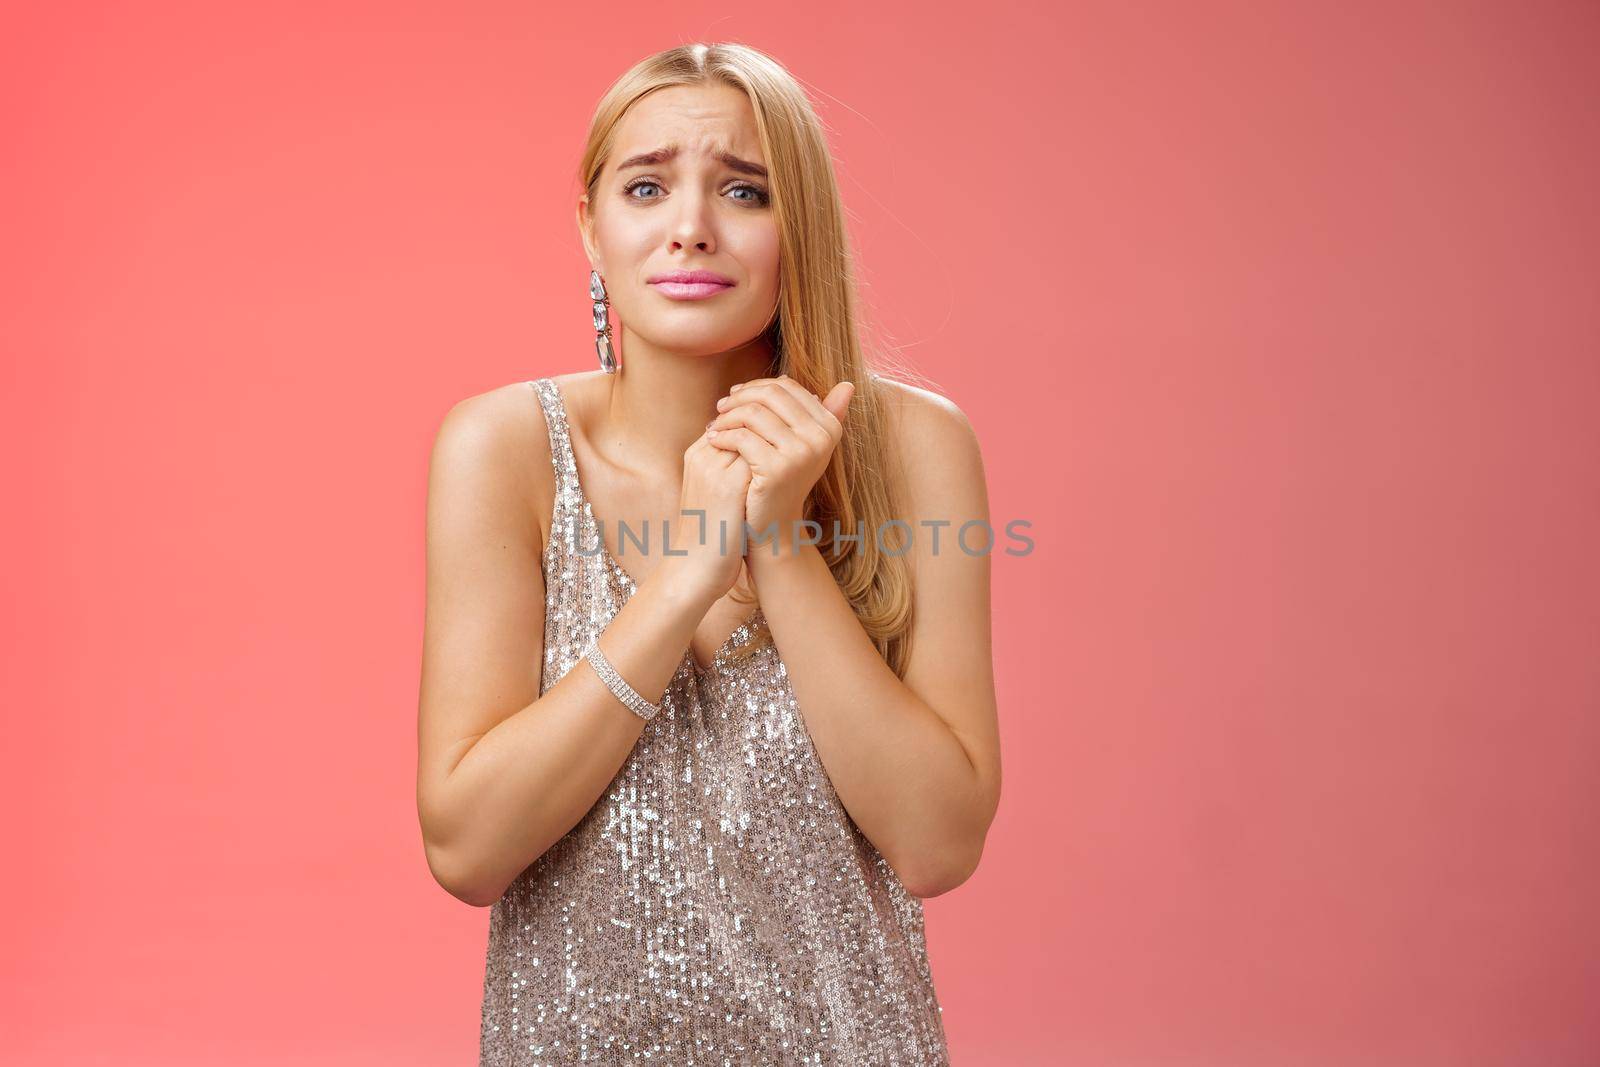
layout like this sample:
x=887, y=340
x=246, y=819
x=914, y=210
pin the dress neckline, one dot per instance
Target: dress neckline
x=626, y=580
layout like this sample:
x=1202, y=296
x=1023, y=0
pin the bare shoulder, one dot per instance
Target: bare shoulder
x=500, y=427
x=497, y=441
x=932, y=435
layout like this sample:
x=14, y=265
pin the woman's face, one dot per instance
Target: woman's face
x=704, y=208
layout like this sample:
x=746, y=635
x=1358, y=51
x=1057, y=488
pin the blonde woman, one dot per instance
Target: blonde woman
x=702, y=758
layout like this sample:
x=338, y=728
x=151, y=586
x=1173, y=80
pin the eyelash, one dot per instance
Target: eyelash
x=762, y=197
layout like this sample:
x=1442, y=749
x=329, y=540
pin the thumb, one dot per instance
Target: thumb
x=838, y=400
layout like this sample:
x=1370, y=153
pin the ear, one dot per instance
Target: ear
x=585, y=230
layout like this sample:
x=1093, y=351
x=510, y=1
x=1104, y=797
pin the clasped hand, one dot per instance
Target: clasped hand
x=787, y=436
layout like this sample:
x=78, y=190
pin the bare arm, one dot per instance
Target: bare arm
x=916, y=762
x=502, y=772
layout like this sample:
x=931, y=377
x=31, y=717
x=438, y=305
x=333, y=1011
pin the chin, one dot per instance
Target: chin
x=696, y=342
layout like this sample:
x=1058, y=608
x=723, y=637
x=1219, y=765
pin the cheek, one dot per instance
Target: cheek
x=624, y=240
x=759, y=251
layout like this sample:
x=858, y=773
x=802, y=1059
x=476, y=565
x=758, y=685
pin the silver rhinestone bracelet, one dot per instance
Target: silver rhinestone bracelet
x=619, y=688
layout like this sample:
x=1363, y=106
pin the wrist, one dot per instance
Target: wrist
x=687, y=581
x=783, y=551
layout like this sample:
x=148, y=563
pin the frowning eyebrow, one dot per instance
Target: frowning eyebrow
x=666, y=154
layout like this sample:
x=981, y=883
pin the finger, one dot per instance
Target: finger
x=797, y=404
x=772, y=393
x=701, y=450
x=761, y=419
x=749, y=445
x=837, y=402
x=720, y=459
x=784, y=402
x=767, y=389
x=698, y=446
x=808, y=402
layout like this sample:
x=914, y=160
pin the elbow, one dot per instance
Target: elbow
x=475, y=894
x=456, y=872
x=478, y=899
x=949, y=868
x=458, y=879
x=934, y=880
x=925, y=890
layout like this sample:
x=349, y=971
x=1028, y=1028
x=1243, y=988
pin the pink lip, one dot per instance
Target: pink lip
x=690, y=284
x=690, y=276
x=689, y=290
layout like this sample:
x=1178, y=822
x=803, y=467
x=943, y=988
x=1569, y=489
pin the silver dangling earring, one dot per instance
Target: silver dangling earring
x=602, y=323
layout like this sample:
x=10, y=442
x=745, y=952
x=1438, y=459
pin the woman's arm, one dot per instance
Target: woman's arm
x=916, y=763
x=502, y=772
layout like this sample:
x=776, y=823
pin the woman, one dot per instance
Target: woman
x=705, y=783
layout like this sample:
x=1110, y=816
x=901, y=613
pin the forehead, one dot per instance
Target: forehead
x=701, y=118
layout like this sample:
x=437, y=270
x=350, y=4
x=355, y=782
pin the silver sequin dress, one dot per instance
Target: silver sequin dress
x=717, y=905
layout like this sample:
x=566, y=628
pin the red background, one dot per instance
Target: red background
x=1277, y=321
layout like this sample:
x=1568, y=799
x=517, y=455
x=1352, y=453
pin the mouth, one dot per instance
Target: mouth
x=690, y=284
x=690, y=276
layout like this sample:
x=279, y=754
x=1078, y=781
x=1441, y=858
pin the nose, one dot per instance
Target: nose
x=691, y=227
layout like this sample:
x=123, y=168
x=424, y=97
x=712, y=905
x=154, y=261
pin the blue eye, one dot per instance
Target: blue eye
x=759, y=198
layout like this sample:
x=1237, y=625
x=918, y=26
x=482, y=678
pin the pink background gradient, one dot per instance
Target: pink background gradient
x=1277, y=322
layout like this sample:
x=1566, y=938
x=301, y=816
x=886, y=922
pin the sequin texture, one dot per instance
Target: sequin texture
x=717, y=905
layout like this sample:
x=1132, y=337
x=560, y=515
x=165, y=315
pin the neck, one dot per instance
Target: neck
x=661, y=399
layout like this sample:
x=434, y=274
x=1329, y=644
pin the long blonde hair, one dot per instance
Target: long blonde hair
x=816, y=334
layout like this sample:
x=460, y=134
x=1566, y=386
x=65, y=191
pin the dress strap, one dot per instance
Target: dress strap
x=561, y=457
